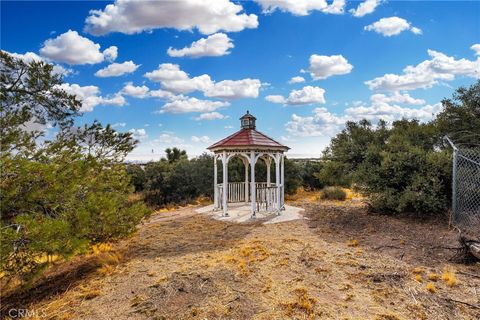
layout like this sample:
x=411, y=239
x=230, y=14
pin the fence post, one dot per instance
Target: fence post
x=454, y=184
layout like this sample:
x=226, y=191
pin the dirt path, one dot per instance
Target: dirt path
x=340, y=264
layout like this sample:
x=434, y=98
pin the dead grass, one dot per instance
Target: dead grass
x=192, y=267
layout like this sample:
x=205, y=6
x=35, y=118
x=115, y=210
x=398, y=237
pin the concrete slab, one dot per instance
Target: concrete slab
x=240, y=212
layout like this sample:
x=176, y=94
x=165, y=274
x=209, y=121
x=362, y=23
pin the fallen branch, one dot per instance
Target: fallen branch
x=476, y=306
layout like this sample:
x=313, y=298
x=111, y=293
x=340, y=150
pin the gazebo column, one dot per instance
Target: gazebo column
x=283, y=181
x=253, y=195
x=277, y=181
x=245, y=163
x=225, y=183
x=268, y=162
x=215, y=182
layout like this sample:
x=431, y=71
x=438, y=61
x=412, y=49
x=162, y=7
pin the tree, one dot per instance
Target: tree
x=460, y=117
x=58, y=196
x=175, y=154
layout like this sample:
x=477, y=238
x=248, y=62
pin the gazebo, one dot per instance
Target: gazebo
x=250, y=145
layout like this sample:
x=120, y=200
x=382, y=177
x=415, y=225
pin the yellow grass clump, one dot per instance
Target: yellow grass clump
x=352, y=243
x=303, y=303
x=433, y=276
x=430, y=287
x=418, y=277
x=449, y=277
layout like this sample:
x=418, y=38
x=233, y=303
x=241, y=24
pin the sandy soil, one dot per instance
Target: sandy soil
x=341, y=263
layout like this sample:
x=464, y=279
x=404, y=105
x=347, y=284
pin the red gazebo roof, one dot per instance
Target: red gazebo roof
x=247, y=138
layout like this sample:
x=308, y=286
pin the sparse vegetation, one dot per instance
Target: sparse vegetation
x=333, y=193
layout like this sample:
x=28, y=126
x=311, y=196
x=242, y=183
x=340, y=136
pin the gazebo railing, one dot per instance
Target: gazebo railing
x=266, y=197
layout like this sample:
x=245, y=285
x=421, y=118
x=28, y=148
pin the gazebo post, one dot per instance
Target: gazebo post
x=215, y=181
x=245, y=163
x=253, y=196
x=283, y=181
x=277, y=180
x=225, y=183
x=268, y=161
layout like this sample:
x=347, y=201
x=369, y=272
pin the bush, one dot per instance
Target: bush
x=333, y=193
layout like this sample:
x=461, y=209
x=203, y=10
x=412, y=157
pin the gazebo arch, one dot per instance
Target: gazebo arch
x=250, y=145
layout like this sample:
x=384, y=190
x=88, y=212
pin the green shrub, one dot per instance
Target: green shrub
x=333, y=193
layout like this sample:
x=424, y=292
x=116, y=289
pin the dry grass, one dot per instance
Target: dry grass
x=192, y=267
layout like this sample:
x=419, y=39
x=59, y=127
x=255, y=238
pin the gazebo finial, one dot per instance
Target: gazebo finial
x=247, y=121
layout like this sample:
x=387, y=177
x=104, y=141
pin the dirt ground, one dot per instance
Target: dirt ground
x=338, y=263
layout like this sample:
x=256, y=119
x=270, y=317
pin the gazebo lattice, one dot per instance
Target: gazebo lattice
x=250, y=145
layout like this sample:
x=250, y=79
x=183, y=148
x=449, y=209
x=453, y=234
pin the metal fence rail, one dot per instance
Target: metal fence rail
x=466, y=188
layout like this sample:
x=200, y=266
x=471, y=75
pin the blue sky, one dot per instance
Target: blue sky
x=372, y=59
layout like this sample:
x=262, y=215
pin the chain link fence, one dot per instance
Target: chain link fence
x=466, y=188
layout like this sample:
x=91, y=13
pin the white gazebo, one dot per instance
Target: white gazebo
x=250, y=145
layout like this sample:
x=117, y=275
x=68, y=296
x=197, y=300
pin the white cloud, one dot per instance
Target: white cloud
x=392, y=26
x=296, y=80
x=111, y=53
x=130, y=16
x=275, y=98
x=325, y=123
x=217, y=44
x=322, y=67
x=72, y=48
x=168, y=138
x=202, y=139
x=427, y=73
x=306, y=95
x=138, y=134
x=302, y=7
x=119, y=124
x=90, y=96
x=476, y=48
x=135, y=91
x=364, y=8
x=211, y=116
x=189, y=104
x=28, y=57
x=173, y=79
x=117, y=69
x=396, y=97
x=234, y=89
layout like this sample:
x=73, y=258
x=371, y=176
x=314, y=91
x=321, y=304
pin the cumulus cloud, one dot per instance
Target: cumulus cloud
x=322, y=67
x=217, y=44
x=324, y=123
x=306, y=95
x=190, y=104
x=396, y=97
x=111, y=53
x=202, y=139
x=28, y=57
x=168, y=138
x=90, y=96
x=117, y=69
x=211, y=116
x=297, y=79
x=476, y=48
x=175, y=80
x=119, y=124
x=365, y=8
x=135, y=91
x=130, y=16
x=72, y=48
x=302, y=7
x=392, y=26
x=234, y=89
x=427, y=73
x=139, y=134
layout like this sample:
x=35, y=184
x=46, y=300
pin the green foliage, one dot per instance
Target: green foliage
x=333, y=193
x=460, y=117
x=58, y=196
x=404, y=168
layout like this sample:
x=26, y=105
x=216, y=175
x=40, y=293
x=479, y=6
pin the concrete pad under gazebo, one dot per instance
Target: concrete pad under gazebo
x=262, y=197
